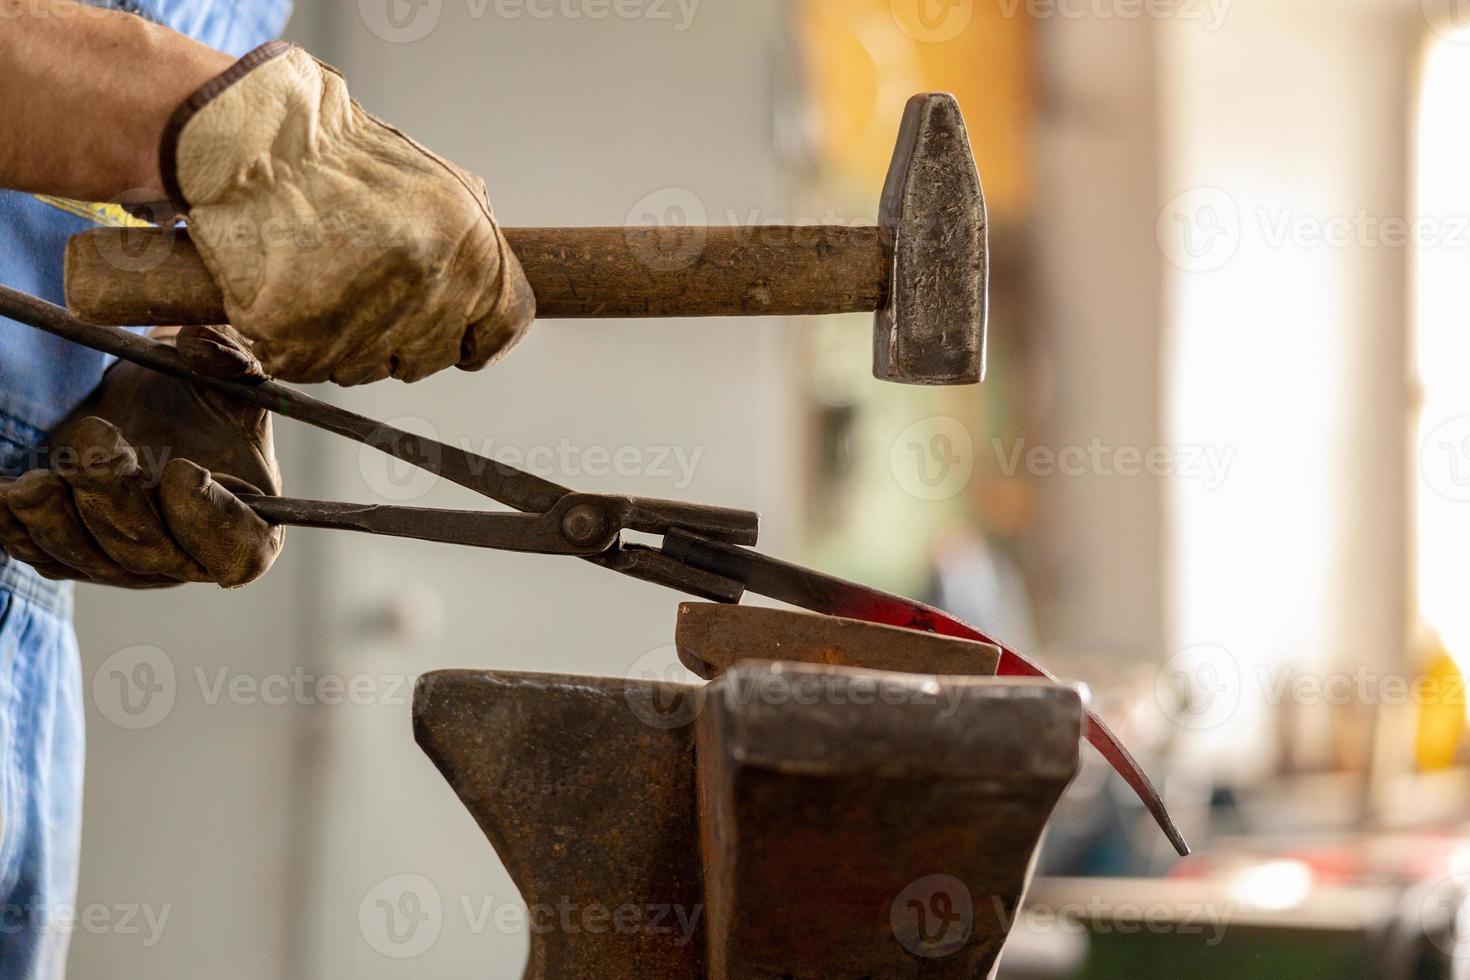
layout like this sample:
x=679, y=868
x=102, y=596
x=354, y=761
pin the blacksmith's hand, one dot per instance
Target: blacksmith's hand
x=143, y=477
x=346, y=251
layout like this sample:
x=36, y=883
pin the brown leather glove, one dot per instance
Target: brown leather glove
x=346, y=251
x=141, y=493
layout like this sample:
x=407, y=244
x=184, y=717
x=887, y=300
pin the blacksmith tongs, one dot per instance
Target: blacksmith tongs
x=554, y=520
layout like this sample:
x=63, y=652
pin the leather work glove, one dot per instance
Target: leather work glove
x=141, y=493
x=346, y=252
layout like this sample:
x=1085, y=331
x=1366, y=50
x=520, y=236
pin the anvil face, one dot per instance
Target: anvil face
x=787, y=820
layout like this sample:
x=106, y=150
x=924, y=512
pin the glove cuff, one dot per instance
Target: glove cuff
x=173, y=132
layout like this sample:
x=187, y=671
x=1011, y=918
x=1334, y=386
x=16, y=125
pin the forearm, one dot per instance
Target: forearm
x=85, y=95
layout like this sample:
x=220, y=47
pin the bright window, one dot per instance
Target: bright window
x=1442, y=292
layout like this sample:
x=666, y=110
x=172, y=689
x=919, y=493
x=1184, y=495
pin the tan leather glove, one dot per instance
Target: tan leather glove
x=346, y=251
x=141, y=493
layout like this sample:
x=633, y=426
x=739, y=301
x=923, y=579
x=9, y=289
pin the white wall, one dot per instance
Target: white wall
x=1099, y=287
x=1288, y=336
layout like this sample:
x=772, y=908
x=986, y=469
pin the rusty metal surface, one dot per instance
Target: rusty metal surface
x=821, y=804
x=711, y=638
x=931, y=326
x=849, y=833
x=589, y=801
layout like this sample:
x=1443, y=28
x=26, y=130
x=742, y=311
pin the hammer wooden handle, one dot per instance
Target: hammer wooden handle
x=149, y=276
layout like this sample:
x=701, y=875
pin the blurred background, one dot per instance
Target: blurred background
x=1219, y=473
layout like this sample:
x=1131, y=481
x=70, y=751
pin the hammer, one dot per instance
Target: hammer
x=923, y=270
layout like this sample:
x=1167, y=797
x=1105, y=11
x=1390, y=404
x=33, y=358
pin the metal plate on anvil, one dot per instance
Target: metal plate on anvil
x=711, y=638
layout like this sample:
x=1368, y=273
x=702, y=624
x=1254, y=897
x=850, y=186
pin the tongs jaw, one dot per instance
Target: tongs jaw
x=673, y=518
x=653, y=516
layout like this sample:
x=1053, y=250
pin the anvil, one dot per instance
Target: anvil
x=788, y=819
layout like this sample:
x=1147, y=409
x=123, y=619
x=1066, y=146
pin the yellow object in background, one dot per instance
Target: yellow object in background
x=909, y=465
x=110, y=215
x=866, y=57
x=1442, y=722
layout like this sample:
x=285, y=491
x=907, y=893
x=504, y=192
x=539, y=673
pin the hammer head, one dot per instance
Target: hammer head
x=931, y=327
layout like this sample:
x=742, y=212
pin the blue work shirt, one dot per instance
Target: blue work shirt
x=41, y=380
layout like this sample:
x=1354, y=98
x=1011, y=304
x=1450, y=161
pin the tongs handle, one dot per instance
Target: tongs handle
x=510, y=486
x=498, y=481
x=578, y=525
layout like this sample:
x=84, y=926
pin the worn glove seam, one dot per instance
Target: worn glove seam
x=169, y=145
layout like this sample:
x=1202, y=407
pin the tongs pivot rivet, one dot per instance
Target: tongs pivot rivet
x=583, y=524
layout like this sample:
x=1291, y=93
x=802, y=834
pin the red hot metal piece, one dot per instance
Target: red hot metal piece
x=828, y=594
